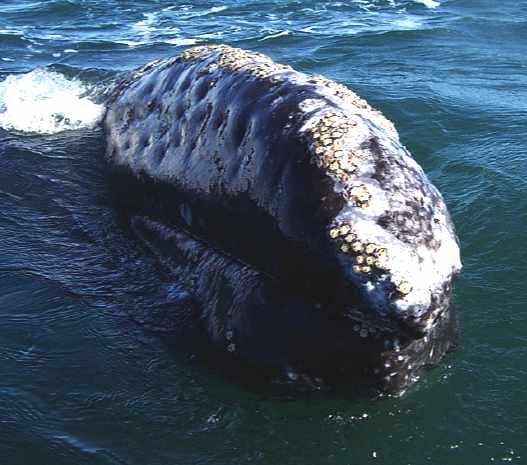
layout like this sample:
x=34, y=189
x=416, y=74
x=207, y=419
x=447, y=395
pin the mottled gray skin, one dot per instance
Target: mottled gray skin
x=316, y=230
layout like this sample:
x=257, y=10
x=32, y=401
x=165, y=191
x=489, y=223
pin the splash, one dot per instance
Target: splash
x=46, y=102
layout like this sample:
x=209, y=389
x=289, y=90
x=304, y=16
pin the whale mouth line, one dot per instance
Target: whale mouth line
x=394, y=326
x=365, y=324
x=364, y=321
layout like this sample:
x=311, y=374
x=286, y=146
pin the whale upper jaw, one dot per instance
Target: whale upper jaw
x=395, y=351
x=404, y=314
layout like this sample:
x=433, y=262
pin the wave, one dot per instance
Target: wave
x=46, y=102
x=159, y=27
x=274, y=36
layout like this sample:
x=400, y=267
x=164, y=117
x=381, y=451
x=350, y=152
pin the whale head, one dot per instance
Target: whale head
x=391, y=232
x=302, y=181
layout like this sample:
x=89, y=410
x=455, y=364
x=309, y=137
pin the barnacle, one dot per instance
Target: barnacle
x=404, y=288
x=356, y=246
x=350, y=238
x=370, y=248
x=344, y=230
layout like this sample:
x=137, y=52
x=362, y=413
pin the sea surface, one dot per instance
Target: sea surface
x=91, y=370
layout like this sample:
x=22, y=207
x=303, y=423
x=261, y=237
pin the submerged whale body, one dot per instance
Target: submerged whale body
x=313, y=241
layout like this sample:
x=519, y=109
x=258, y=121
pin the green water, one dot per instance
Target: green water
x=83, y=381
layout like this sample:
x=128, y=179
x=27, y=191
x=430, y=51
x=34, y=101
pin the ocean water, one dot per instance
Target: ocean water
x=91, y=369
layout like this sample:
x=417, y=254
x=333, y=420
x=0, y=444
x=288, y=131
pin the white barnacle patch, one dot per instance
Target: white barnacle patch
x=310, y=104
x=369, y=136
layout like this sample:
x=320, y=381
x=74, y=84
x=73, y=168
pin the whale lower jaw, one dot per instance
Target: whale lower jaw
x=306, y=340
x=403, y=359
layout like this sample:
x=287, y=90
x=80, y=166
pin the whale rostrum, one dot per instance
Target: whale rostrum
x=297, y=182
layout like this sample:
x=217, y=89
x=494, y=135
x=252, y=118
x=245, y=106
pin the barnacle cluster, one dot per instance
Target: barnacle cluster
x=328, y=137
x=359, y=194
x=351, y=98
x=195, y=53
x=368, y=258
x=236, y=59
x=330, y=140
x=404, y=287
x=340, y=91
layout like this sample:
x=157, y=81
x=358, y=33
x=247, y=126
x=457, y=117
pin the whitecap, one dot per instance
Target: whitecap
x=273, y=36
x=428, y=3
x=14, y=32
x=180, y=41
x=408, y=23
x=218, y=9
x=52, y=36
x=147, y=25
x=46, y=102
x=131, y=43
x=214, y=9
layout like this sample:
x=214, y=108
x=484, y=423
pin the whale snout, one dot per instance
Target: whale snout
x=411, y=307
x=404, y=270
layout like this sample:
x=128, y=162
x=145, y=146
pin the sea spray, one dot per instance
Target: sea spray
x=46, y=102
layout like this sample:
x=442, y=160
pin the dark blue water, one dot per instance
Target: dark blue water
x=91, y=370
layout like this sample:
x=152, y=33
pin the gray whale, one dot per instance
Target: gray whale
x=316, y=242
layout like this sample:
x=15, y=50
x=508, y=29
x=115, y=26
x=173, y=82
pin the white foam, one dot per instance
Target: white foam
x=181, y=41
x=196, y=14
x=218, y=9
x=274, y=36
x=428, y=3
x=408, y=23
x=131, y=43
x=46, y=102
x=147, y=25
x=157, y=27
x=15, y=32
